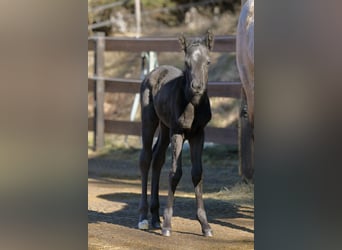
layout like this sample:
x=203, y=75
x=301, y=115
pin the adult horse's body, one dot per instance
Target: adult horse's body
x=177, y=101
x=245, y=63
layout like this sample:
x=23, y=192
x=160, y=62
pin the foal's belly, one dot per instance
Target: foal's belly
x=173, y=111
x=163, y=106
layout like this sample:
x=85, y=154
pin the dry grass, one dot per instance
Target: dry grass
x=240, y=194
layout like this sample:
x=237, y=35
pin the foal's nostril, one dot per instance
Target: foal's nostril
x=195, y=86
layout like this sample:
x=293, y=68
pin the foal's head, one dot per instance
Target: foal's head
x=196, y=65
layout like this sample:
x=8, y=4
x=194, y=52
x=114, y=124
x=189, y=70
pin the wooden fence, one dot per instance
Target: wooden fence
x=99, y=85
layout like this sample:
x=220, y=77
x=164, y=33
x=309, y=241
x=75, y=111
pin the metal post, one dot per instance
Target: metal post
x=152, y=64
x=153, y=60
x=99, y=91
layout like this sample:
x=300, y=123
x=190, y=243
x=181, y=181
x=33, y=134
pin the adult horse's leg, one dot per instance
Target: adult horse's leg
x=246, y=142
x=158, y=160
x=174, y=178
x=149, y=125
x=196, y=148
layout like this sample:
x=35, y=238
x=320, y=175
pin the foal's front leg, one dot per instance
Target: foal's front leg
x=196, y=148
x=174, y=178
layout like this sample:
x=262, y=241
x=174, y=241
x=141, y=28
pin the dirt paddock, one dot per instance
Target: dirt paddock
x=113, y=199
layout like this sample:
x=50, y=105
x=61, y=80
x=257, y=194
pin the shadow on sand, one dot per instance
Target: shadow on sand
x=218, y=211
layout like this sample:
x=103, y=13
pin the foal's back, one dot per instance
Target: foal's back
x=164, y=77
x=162, y=91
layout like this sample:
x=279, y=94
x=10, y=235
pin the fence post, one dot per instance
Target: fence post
x=99, y=91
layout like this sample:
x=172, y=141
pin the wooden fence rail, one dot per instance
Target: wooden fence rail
x=119, y=85
x=100, y=84
x=158, y=44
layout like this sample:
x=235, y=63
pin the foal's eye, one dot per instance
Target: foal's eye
x=208, y=62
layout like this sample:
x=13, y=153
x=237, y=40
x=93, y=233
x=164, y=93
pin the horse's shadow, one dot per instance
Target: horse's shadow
x=217, y=211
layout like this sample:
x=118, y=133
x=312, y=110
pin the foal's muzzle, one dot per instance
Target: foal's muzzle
x=196, y=88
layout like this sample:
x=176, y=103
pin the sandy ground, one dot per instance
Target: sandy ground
x=113, y=199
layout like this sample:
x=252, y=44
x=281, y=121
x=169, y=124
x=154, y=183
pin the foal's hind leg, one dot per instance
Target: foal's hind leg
x=149, y=125
x=196, y=148
x=158, y=160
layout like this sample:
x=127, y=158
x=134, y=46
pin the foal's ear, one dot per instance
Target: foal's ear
x=209, y=40
x=183, y=42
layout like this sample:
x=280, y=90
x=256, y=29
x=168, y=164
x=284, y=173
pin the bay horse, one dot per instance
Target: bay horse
x=177, y=102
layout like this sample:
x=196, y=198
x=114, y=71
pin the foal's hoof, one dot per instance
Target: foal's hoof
x=207, y=233
x=143, y=225
x=166, y=232
x=156, y=225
